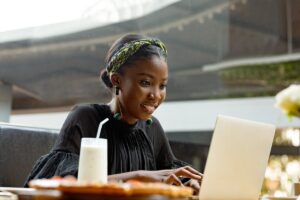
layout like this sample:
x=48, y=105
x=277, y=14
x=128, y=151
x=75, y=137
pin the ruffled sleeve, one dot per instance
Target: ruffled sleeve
x=63, y=160
x=56, y=163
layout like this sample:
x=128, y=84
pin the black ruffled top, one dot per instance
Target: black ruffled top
x=130, y=147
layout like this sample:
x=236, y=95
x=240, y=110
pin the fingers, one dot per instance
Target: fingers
x=195, y=185
x=173, y=179
x=193, y=170
x=189, y=173
x=172, y=176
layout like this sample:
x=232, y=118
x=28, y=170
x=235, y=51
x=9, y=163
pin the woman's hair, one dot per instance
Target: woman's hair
x=142, y=47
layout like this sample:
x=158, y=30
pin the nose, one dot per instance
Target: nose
x=156, y=94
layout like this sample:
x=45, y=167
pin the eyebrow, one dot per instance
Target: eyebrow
x=150, y=76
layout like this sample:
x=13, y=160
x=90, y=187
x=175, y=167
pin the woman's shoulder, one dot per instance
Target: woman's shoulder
x=85, y=114
x=86, y=107
x=90, y=109
x=155, y=123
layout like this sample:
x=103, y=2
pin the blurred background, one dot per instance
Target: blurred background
x=225, y=57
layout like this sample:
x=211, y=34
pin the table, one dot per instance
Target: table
x=34, y=194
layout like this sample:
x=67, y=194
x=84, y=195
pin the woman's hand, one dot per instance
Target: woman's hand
x=194, y=184
x=173, y=176
x=179, y=174
x=170, y=176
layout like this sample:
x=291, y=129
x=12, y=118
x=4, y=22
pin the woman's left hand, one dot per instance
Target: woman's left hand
x=194, y=184
x=173, y=176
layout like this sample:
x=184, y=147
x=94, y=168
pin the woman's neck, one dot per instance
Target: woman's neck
x=115, y=107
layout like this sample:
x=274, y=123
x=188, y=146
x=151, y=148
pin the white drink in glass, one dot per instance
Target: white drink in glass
x=93, y=160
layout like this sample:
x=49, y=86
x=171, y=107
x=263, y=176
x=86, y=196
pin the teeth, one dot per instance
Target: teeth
x=147, y=106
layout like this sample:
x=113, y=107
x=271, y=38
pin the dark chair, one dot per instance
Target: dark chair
x=20, y=147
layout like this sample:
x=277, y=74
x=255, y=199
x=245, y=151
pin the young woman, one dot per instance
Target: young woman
x=136, y=73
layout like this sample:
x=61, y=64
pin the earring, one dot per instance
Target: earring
x=117, y=90
x=149, y=121
x=117, y=116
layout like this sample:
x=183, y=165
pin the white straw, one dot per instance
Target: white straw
x=100, y=127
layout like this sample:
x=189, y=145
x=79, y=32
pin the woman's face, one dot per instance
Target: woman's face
x=142, y=88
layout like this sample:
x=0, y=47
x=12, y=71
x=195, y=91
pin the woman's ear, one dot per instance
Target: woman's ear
x=115, y=79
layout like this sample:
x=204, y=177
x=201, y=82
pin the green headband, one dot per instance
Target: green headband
x=128, y=49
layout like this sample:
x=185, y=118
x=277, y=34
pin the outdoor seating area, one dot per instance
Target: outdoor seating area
x=150, y=100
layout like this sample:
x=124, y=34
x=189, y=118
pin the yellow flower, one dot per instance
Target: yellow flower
x=288, y=100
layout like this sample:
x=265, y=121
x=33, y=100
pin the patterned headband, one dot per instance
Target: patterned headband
x=128, y=49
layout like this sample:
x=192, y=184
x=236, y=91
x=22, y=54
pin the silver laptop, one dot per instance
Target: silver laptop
x=237, y=159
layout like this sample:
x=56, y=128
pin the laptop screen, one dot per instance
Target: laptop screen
x=237, y=159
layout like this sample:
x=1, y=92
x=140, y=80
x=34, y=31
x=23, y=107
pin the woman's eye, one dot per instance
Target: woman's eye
x=163, y=86
x=145, y=83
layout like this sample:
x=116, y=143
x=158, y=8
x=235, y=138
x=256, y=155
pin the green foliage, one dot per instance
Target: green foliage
x=261, y=79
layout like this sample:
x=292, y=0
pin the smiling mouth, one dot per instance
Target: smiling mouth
x=149, y=108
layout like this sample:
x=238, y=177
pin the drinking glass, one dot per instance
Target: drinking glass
x=93, y=160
